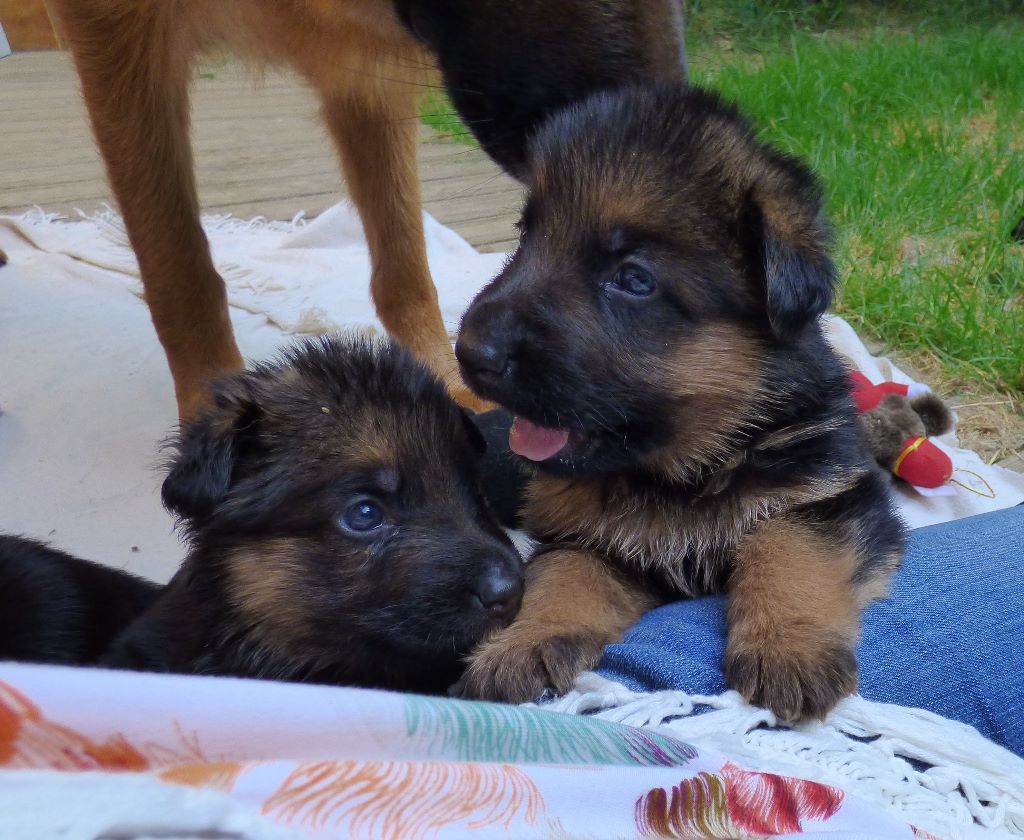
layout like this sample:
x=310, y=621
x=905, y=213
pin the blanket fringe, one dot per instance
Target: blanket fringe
x=938, y=774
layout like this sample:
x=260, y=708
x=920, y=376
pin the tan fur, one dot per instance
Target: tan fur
x=263, y=583
x=793, y=610
x=876, y=586
x=717, y=375
x=650, y=533
x=791, y=590
x=135, y=60
x=575, y=604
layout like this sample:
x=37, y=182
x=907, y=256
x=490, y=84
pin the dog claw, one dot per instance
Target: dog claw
x=520, y=673
x=792, y=689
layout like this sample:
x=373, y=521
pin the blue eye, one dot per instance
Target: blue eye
x=362, y=516
x=634, y=281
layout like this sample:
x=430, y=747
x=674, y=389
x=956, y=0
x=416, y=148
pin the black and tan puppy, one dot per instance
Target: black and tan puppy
x=657, y=335
x=336, y=529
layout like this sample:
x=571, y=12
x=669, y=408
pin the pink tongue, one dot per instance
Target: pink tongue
x=535, y=442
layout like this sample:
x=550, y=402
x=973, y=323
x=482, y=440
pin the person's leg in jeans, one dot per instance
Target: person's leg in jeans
x=949, y=639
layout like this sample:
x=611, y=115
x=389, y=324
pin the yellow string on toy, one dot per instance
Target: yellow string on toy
x=903, y=455
x=991, y=493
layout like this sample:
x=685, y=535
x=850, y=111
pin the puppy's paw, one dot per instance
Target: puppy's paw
x=517, y=670
x=794, y=681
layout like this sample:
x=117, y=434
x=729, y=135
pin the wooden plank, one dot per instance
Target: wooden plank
x=259, y=150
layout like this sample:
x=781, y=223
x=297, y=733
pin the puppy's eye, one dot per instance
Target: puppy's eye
x=634, y=280
x=362, y=517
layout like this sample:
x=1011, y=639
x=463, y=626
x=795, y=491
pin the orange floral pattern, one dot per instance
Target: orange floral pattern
x=218, y=775
x=28, y=739
x=407, y=800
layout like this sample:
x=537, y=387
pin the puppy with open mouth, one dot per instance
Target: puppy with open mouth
x=336, y=532
x=688, y=429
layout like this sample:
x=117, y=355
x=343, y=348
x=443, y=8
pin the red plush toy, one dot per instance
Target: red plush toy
x=898, y=420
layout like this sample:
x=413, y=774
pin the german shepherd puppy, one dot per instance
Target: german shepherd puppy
x=505, y=65
x=657, y=336
x=336, y=534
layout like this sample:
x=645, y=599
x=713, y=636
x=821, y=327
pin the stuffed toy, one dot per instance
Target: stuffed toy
x=898, y=420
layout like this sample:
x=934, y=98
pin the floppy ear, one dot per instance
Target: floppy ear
x=206, y=451
x=789, y=253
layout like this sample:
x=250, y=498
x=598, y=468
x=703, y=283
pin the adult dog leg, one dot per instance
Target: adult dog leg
x=575, y=603
x=134, y=67
x=375, y=131
x=794, y=619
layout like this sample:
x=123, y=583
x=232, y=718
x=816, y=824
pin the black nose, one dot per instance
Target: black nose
x=499, y=591
x=489, y=340
x=481, y=357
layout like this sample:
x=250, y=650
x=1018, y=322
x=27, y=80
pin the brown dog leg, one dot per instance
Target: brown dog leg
x=574, y=605
x=375, y=129
x=134, y=68
x=794, y=619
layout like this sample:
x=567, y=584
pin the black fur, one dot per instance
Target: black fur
x=507, y=65
x=277, y=583
x=58, y=608
x=502, y=475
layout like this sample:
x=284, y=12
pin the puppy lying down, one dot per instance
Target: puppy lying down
x=335, y=528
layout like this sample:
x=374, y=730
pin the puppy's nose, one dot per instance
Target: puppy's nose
x=499, y=591
x=481, y=357
x=489, y=340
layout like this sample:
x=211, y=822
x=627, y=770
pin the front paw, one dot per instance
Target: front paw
x=794, y=680
x=516, y=669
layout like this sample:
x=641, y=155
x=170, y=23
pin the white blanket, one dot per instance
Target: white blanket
x=86, y=396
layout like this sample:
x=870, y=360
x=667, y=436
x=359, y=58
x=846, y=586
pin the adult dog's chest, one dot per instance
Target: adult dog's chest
x=684, y=541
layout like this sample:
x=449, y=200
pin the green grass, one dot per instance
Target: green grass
x=914, y=118
x=919, y=139
x=437, y=111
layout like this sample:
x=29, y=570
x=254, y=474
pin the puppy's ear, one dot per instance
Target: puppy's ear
x=207, y=449
x=788, y=250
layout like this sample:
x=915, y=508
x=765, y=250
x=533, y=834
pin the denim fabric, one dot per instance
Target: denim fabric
x=950, y=638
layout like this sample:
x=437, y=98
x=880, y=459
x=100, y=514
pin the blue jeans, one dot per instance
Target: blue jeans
x=949, y=639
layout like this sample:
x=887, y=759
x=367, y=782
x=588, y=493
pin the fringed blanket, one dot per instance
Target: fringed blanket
x=214, y=757
x=84, y=400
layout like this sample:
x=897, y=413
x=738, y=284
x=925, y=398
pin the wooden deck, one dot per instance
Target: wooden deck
x=260, y=151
